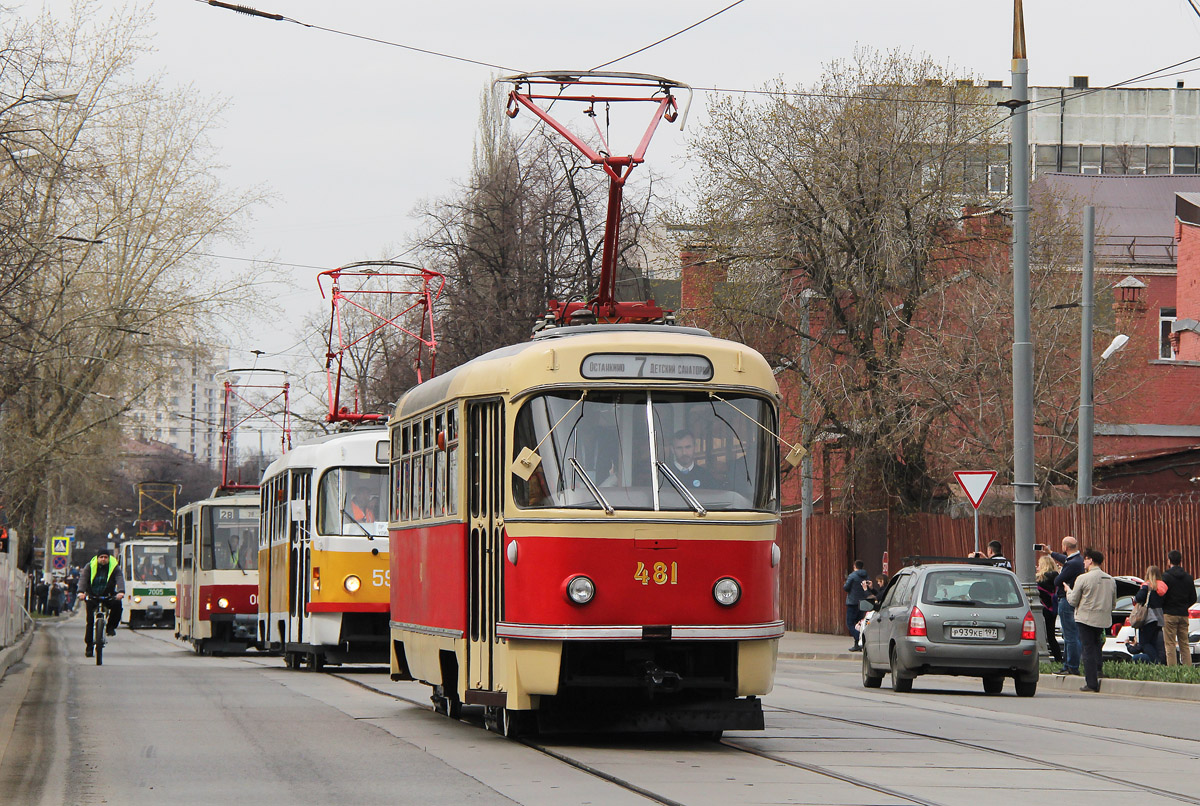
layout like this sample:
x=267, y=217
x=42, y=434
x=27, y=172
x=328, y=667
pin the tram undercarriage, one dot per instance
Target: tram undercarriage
x=362, y=638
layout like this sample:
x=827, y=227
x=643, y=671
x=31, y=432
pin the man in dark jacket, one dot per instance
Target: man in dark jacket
x=856, y=587
x=995, y=553
x=1180, y=595
x=102, y=577
x=1072, y=566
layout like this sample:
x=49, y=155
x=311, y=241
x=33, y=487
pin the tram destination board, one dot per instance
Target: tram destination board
x=599, y=366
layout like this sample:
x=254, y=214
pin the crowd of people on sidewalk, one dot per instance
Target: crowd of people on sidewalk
x=51, y=595
x=1075, y=591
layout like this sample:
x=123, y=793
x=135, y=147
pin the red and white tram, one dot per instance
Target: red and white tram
x=218, y=573
x=583, y=532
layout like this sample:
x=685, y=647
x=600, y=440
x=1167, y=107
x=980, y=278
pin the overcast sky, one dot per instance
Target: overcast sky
x=351, y=135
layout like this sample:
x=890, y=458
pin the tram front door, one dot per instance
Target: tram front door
x=485, y=457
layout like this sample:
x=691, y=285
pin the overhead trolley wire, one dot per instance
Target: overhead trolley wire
x=672, y=36
x=254, y=12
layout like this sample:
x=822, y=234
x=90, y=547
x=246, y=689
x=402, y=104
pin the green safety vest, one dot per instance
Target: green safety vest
x=94, y=565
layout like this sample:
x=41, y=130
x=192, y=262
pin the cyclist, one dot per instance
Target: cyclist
x=102, y=578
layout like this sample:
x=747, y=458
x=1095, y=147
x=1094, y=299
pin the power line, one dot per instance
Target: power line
x=672, y=36
x=254, y=12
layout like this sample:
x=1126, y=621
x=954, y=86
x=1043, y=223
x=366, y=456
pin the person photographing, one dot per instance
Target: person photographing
x=103, y=584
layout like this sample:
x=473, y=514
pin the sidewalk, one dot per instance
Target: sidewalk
x=813, y=646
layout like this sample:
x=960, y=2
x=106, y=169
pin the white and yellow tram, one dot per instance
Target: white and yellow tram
x=583, y=532
x=217, y=553
x=149, y=569
x=323, y=551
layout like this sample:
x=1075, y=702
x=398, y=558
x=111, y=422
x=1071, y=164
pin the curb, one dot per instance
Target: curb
x=1125, y=688
x=818, y=656
x=12, y=655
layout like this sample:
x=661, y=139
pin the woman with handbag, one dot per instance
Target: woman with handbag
x=1147, y=618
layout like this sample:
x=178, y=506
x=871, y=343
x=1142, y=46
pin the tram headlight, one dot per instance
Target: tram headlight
x=172, y=600
x=352, y=583
x=727, y=591
x=222, y=603
x=581, y=590
x=137, y=599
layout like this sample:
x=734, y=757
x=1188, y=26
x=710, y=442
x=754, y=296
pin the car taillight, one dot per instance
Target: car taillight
x=1028, y=627
x=916, y=622
x=1194, y=613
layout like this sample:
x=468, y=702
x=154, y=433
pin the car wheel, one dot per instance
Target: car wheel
x=900, y=683
x=993, y=684
x=1026, y=688
x=871, y=678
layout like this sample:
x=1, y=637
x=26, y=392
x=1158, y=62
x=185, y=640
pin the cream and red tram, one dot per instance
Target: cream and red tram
x=323, y=551
x=218, y=573
x=602, y=585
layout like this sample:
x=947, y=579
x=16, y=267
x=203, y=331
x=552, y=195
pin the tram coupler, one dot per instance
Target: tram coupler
x=658, y=679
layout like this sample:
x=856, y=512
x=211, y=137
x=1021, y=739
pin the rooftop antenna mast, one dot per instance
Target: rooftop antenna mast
x=354, y=286
x=594, y=87
x=236, y=393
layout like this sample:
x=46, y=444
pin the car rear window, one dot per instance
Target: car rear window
x=971, y=588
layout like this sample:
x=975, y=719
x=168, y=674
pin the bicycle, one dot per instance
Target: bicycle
x=100, y=625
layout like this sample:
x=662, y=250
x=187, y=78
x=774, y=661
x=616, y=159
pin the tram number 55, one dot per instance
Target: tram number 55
x=661, y=573
x=381, y=578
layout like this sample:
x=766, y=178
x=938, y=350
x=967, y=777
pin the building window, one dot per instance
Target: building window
x=1047, y=159
x=997, y=179
x=1183, y=160
x=1070, y=159
x=1158, y=160
x=1089, y=159
x=1166, y=318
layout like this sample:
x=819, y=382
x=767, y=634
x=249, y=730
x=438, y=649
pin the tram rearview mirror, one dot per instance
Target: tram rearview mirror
x=525, y=463
x=795, y=455
x=381, y=451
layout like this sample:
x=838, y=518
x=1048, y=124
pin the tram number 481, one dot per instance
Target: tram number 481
x=661, y=573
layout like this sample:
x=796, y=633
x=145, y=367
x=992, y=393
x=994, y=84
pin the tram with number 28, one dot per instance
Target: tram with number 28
x=323, y=551
x=583, y=532
x=217, y=553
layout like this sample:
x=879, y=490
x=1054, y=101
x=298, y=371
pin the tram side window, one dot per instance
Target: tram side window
x=452, y=461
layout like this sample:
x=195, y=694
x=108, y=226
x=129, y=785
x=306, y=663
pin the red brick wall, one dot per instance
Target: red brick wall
x=1187, y=291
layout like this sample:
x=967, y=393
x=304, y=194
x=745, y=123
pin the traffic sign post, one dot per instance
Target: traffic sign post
x=975, y=483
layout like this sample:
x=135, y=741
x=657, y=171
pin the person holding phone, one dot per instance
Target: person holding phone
x=1072, y=566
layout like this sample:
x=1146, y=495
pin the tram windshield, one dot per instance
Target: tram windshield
x=153, y=563
x=353, y=502
x=229, y=538
x=648, y=450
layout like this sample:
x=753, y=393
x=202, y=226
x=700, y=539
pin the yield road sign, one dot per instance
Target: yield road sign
x=60, y=546
x=975, y=484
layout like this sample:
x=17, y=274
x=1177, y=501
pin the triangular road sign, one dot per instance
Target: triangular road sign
x=975, y=483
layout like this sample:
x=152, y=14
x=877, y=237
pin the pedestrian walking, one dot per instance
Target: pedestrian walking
x=1180, y=595
x=1094, y=595
x=42, y=592
x=856, y=587
x=1047, y=571
x=1072, y=566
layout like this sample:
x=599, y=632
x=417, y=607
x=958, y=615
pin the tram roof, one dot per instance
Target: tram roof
x=516, y=367
x=229, y=499
x=355, y=447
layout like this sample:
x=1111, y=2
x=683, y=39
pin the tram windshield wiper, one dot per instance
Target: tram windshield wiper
x=359, y=525
x=591, y=486
x=682, y=488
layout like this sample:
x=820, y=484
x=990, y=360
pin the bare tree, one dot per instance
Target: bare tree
x=113, y=198
x=860, y=207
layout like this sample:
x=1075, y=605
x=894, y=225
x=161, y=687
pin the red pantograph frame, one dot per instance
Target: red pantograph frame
x=431, y=285
x=614, y=87
x=232, y=393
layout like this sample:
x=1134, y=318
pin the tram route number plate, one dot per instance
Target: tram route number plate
x=974, y=632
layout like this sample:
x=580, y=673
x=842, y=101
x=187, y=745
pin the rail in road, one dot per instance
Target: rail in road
x=827, y=741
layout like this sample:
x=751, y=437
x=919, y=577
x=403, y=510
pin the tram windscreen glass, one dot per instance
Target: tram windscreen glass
x=654, y=450
x=229, y=538
x=352, y=501
x=153, y=563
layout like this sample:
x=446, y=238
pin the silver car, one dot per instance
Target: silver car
x=954, y=619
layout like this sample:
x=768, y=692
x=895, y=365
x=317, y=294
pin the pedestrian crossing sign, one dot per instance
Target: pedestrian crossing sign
x=60, y=546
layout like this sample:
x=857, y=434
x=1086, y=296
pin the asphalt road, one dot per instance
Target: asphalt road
x=157, y=725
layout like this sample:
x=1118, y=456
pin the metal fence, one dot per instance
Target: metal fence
x=1132, y=535
x=13, y=618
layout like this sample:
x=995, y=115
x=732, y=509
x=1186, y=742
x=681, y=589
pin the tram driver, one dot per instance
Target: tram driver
x=363, y=506
x=237, y=554
x=683, y=461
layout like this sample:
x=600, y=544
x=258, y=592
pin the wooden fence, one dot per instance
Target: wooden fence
x=1131, y=535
